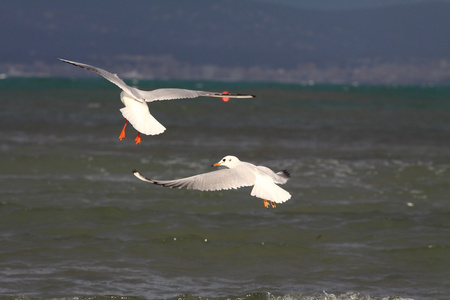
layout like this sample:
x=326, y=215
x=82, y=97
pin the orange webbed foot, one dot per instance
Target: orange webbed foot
x=274, y=205
x=138, y=138
x=266, y=203
x=122, y=133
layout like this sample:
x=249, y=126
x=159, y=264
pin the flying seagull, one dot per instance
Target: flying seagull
x=238, y=174
x=136, y=109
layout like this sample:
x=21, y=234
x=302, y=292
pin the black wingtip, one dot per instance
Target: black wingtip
x=287, y=173
x=241, y=95
x=134, y=171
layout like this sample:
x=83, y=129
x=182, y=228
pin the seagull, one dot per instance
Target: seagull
x=136, y=109
x=238, y=174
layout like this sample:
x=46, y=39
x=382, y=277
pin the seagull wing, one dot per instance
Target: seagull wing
x=135, y=93
x=280, y=177
x=224, y=179
x=170, y=94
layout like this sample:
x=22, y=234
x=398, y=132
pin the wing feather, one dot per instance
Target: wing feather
x=135, y=93
x=224, y=179
x=155, y=95
x=173, y=93
x=280, y=177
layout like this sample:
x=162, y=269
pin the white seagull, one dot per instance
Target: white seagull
x=136, y=109
x=238, y=174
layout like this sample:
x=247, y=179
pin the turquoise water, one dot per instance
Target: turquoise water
x=369, y=217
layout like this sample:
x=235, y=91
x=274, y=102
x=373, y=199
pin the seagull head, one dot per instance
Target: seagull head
x=228, y=161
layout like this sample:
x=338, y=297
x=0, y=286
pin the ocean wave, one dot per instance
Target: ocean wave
x=251, y=296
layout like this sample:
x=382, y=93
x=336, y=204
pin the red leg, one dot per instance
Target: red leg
x=225, y=99
x=138, y=138
x=122, y=133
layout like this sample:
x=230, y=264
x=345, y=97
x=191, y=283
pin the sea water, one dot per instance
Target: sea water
x=369, y=216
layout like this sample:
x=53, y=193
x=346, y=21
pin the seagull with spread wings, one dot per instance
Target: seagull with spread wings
x=136, y=110
x=238, y=174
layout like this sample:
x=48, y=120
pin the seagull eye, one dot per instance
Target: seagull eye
x=224, y=159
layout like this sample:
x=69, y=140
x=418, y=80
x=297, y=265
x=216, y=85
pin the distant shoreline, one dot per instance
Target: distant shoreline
x=436, y=72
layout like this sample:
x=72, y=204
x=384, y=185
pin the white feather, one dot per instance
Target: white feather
x=270, y=191
x=138, y=114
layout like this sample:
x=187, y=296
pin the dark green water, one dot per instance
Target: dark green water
x=369, y=217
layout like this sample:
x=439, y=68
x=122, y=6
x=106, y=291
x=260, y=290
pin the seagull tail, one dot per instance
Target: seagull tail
x=271, y=192
x=142, y=121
